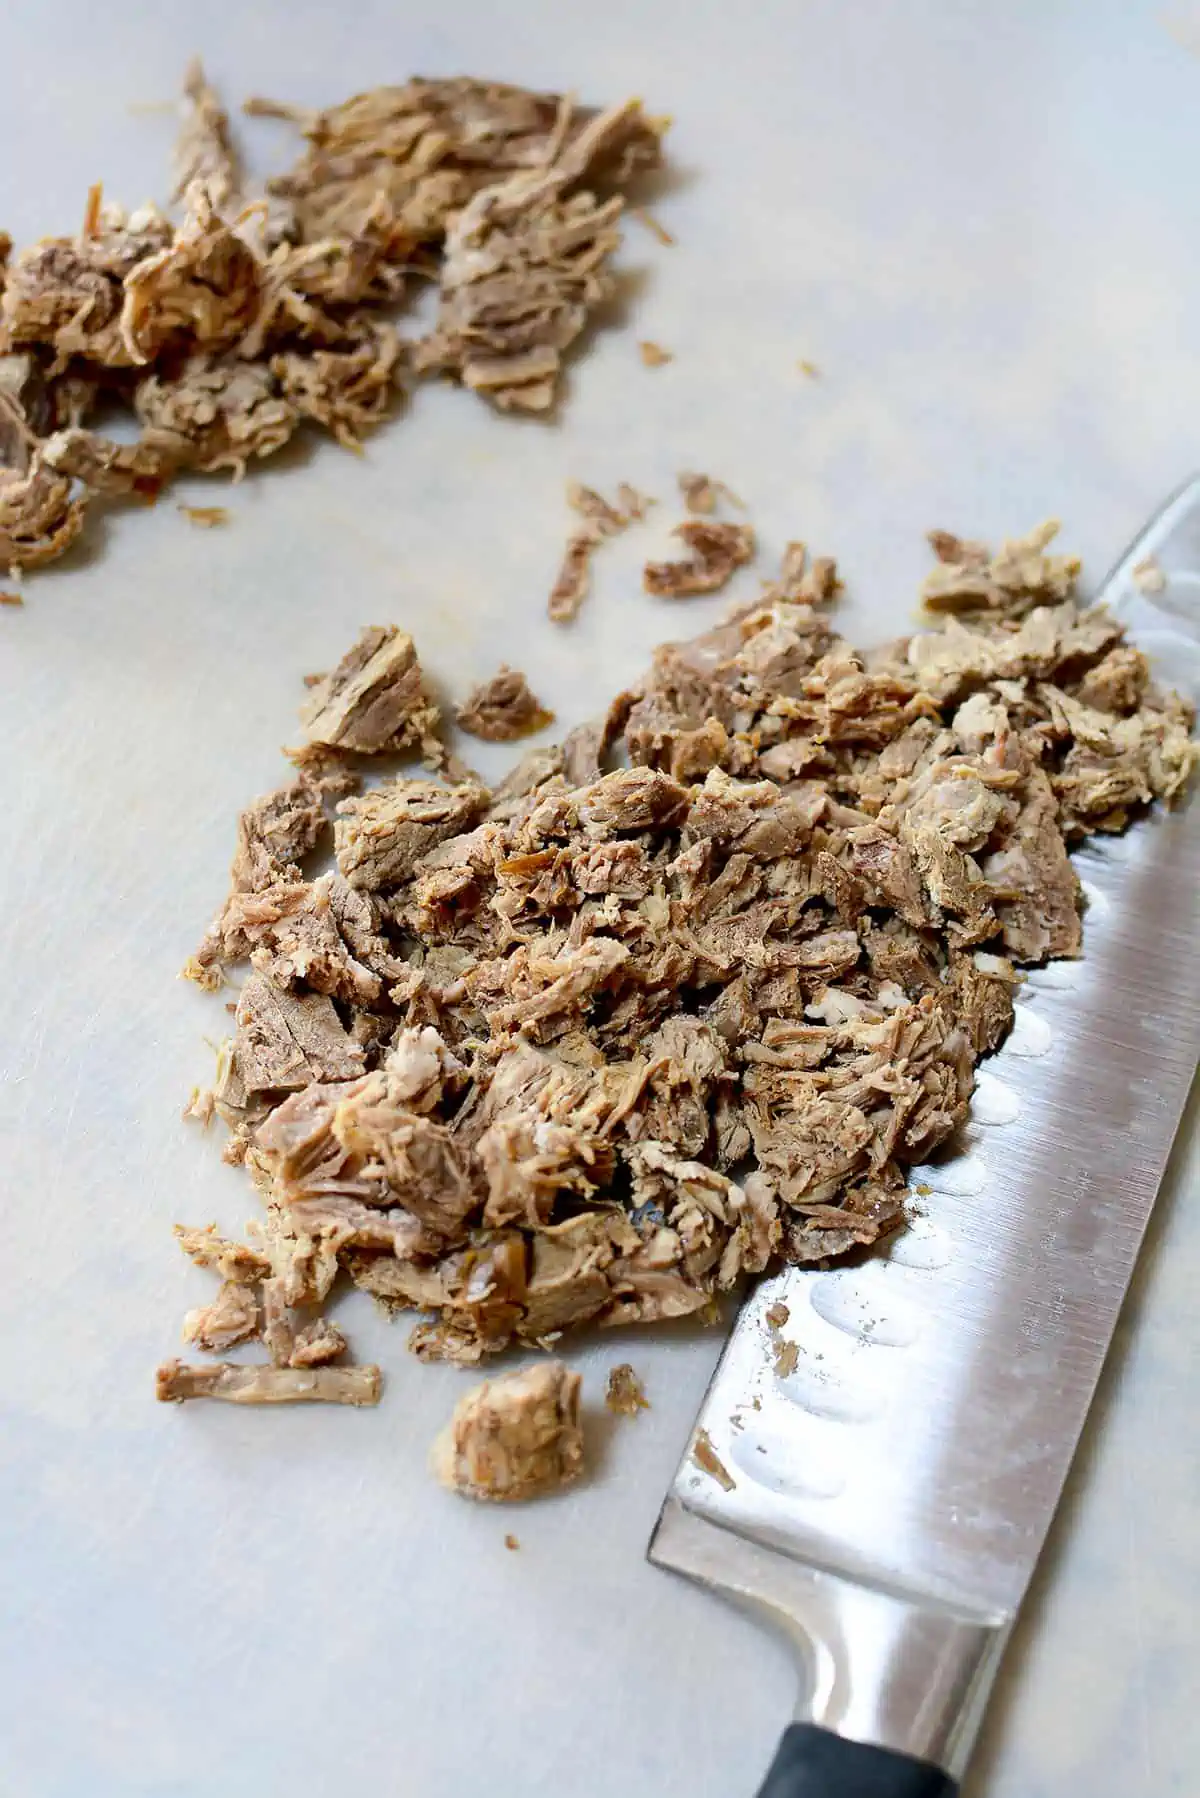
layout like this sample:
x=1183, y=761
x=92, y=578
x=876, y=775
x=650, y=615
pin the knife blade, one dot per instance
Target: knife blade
x=882, y=1488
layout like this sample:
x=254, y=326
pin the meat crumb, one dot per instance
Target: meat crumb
x=512, y=1542
x=11, y=599
x=1148, y=576
x=600, y=520
x=808, y=368
x=717, y=552
x=701, y=494
x=514, y=1437
x=653, y=354
x=626, y=1394
x=786, y=1357
x=503, y=708
x=653, y=225
x=709, y=1461
x=777, y=1315
x=206, y=518
x=267, y=1385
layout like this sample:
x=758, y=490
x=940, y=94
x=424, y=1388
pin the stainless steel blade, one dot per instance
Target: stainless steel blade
x=888, y=1486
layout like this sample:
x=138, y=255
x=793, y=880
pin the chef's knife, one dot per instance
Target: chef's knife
x=878, y=1470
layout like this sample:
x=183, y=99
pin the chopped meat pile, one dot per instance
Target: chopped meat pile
x=221, y=334
x=515, y=1437
x=678, y=1001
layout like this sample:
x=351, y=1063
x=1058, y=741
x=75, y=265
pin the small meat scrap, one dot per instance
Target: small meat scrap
x=717, y=552
x=786, y=1357
x=376, y=701
x=654, y=226
x=287, y=1040
x=523, y=265
x=777, y=1315
x=1021, y=575
x=1148, y=577
x=653, y=354
x=626, y=1395
x=232, y=1317
x=701, y=494
x=204, y=150
x=267, y=1385
x=107, y=467
x=11, y=599
x=600, y=520
x=316, y=1344
x=206, y=518
x=381, y=836
x=350, y=389
x=515, y=1437
x=503, y=708
x=709, y=1461
x=214, y=412
x=512, y=1542
x=39, y=518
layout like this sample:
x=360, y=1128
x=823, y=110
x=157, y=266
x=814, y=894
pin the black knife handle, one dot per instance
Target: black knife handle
x=814, y=1763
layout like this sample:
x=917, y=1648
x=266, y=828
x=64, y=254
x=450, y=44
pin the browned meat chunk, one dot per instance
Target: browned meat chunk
x=600, y=520
x=524, y=266
x=502, y=709
x=717, y=552
x=625, y=1395
x=376, y=700
x=382, y=836
x=514, y=1437
x=286, y=1040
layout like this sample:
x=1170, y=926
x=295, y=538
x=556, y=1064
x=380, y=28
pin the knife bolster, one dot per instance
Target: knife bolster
x=881, y=1668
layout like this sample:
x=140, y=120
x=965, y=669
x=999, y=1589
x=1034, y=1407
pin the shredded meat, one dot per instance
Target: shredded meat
x=708, y=1461
x=593, y=1048
x=204, y=150
x=1022, y=575
x=717, y=552
x=502, y=709
x=600, y=520
x=523, y=264
x=514, y=1437
x=264, y=1385
x=222, y=335
x=701, y=494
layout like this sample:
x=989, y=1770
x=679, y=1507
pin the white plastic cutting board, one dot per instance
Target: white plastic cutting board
x=981, y=224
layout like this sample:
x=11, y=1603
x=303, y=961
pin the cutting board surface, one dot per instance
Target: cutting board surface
x=980, y=224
